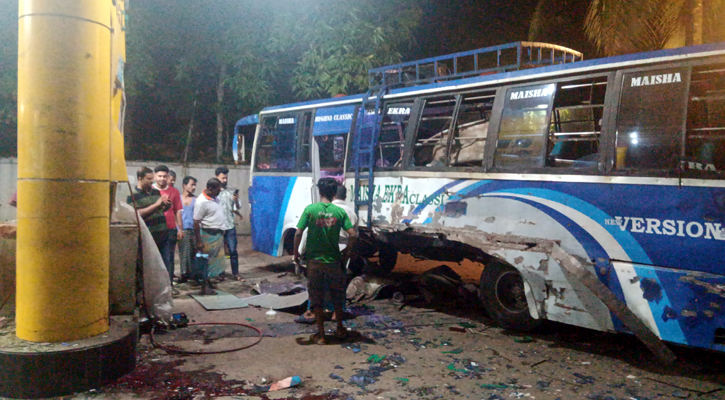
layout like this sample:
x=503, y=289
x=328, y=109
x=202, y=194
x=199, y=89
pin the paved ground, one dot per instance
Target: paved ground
x=403, y=353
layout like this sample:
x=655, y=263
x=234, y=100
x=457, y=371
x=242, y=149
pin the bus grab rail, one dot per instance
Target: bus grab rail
x=528, y=54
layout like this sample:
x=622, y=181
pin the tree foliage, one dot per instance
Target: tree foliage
x=201, y=65
x=623, y=26
x=336, y=43
x=8, y=77
x=233, y=58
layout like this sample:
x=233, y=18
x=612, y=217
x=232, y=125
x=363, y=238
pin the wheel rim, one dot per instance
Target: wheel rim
x=510, y=292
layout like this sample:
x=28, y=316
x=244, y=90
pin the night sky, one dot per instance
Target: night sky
x=451, y=26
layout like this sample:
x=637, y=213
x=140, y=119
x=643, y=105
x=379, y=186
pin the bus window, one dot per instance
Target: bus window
x=431, y=140
x=332, y=153
x=650, y=119
x=277, y=142
x=245, y=140
x=469, y=137
x=576, y=124
x=305, y=148
x=390, y=143
x=705, y=145
x=524, y=125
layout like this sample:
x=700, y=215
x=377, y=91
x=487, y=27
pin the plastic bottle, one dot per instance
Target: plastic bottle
x=271, y=314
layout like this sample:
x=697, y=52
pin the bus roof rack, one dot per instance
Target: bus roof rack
x=485, y=61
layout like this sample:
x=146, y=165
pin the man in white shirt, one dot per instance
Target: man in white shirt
x=339, y=201
x=209, y=226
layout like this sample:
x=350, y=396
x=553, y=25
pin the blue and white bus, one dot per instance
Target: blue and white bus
x=497, y=154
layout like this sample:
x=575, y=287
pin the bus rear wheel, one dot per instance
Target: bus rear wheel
x=503, y=296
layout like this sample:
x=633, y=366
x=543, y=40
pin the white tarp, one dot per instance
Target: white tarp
x=157, y=287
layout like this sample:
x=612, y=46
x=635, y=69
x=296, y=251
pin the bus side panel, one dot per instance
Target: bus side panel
x=616, y=231
x=688, y=307
x=269, y=197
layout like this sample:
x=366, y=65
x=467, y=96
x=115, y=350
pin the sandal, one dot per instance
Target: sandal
x=239, y=278
x=304, y=320
x=318, y=338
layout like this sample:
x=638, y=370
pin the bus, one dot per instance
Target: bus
x=500, y=154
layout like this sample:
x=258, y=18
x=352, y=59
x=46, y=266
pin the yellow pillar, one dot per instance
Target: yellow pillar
x=64, y=119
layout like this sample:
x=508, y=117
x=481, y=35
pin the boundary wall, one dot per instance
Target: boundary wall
x=238, y=179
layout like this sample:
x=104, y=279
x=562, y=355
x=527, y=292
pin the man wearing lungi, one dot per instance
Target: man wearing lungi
x=209, y=225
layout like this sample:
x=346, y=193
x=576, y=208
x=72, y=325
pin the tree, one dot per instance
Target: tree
x=8, y=77
x=624, y=26
x=336, y=43
x=200, y=50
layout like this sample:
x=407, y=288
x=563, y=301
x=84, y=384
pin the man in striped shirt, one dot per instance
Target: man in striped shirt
x=151, y=204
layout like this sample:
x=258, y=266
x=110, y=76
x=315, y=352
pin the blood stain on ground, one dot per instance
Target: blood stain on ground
x=164, y=381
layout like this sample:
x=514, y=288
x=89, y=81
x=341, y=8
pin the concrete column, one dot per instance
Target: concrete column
x=64, y=120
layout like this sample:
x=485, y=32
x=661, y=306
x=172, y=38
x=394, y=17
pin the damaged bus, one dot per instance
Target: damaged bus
x=515, y=155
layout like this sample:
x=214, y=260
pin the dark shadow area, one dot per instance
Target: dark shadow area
x=353, y=337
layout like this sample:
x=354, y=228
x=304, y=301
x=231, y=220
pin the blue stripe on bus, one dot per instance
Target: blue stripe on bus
x=624, y=238
x=463, y=193
x=430, y=199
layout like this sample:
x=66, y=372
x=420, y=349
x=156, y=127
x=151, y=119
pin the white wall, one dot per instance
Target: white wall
x=238, y=179
x=8, y=185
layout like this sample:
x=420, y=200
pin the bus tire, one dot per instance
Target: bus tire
x=387, y=257
x=503, y=296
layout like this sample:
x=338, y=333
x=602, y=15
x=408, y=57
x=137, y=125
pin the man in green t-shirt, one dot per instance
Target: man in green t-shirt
x=323, y=221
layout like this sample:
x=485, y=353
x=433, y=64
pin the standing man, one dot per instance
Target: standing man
x=340, y=195
x=173, y=218
x=209, y=224
x=324, y=221
x=229, y=200
x=151, y=204
x=172, y=178
x=187, y=244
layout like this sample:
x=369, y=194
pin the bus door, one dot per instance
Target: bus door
x=278, y=162
x=330, y=132
x=244, y=131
